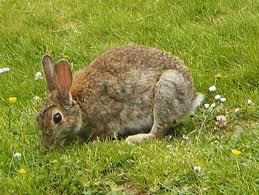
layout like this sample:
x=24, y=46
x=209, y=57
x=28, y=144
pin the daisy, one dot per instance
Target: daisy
x=223, y=100
x=185, y=137
x=38, y=76
x=3, y=70
x=36, y=98
x=221, y=120
x=197, y=169
x=212, y=88
x=237, y=110
x=213, y=105
x=17, y=155
x=217, y=97
x=249, y=102
x=206, y=106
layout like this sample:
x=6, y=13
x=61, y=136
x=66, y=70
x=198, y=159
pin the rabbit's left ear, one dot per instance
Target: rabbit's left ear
x=48, y=71
x=63, y=77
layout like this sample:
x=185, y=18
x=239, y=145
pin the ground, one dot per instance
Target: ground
x=218, y=41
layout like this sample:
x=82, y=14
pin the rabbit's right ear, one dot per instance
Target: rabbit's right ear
x=49, y=72
x=64, y=77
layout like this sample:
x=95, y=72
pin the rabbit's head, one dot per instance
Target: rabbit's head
x=60, y=116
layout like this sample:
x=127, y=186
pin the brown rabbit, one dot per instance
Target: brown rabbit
x=133, y=91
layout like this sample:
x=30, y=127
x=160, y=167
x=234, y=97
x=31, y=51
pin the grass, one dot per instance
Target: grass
x=219, y=42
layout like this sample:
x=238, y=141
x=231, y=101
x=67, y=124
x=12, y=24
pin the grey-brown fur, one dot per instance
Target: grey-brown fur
x=128, y=90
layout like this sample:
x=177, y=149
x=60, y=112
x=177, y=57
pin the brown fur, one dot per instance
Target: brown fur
x=132, y=89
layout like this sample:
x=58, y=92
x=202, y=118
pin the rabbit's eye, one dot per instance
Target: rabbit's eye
x=57, y=117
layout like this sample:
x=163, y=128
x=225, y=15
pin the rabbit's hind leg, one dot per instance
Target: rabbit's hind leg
x=173, y=96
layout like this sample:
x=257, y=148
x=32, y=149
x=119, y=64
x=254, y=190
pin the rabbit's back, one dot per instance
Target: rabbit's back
x=136, y=57
x=115, y=92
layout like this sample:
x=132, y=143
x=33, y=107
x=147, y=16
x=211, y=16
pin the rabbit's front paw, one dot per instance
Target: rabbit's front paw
x=139, y=138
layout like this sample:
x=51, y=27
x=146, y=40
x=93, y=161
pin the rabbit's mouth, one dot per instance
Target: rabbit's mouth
x=61, y=137
x=59, y=141
x=64, y=134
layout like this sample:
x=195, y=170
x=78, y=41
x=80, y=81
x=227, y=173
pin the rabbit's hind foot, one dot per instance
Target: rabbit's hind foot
x=139, y=138
x=173, y=97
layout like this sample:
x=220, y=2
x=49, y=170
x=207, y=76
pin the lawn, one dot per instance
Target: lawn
x=218, y=41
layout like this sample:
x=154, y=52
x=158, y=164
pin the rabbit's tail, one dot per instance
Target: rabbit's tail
x=197, y=102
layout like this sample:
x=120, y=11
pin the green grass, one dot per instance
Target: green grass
x=212, y=37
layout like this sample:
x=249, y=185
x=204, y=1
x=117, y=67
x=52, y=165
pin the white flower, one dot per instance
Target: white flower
x=249, y=102
x=206, y=106
x=216, y=142
x=169, y=146
x=130, y=161
x=205, y=189
x=221, y=120
x=197, y=169
x=185, y=137
x=212, y=88
x=237, y=110
x=217, y=97
x=17, y=155
x=38, y=76
x=213, y=105
x=6, y=69
x=115, y=136
x=36, y=98
x=223, y=100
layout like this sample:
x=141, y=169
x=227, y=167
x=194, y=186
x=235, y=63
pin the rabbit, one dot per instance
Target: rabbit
x=133, y=91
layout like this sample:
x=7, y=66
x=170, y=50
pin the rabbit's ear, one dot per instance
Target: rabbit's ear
x=49, y=73
x=64, y=77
